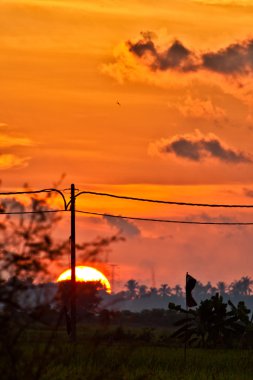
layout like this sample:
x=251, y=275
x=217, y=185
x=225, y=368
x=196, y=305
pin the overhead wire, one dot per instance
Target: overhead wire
x=29, y=212
x=37, y=192
x=165, y=220
x=126, y=197
x=132, y=217
x=132, y=199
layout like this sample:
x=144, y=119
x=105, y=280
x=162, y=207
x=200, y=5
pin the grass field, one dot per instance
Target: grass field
x=93, y=358
x=128, y=362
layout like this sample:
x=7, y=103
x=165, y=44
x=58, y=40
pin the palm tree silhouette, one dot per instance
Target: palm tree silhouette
x=241, y=287
x=132, y=287
x=178, y=291
x=221, y=287
x=143, y=291
x=164, y=290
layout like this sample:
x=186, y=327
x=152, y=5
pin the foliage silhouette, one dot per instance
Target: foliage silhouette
x=211, y=324
x=27, y=249
x=87, y=296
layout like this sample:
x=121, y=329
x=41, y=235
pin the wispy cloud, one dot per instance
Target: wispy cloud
x=194, y=107
x=225, y=2
x=198, y=147
x=248, y=192
x=123, y=226
x=10, y=161
x=7, y=141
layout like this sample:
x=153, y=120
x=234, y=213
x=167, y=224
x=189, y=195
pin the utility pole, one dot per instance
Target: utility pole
x=113, y=276
x=73, y=265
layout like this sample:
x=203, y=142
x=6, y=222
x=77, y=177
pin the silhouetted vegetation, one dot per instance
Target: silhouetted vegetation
x=27, y=249
x=137, y=297
x=87, y=297
x=215, y=324
x=130, y=334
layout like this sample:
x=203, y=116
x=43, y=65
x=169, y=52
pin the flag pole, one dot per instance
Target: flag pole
x=190, y=283
x=186, y=327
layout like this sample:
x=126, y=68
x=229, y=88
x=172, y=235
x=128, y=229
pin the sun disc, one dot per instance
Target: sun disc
x=84, y=274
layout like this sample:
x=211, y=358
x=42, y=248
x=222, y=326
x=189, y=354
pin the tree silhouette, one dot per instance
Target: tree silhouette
x=178, y=291
x=27, y=249
x=164, y=290
x=143, y=291
x=221, y=287
x=132, y=288
x=87, y=296
x=26, y=244
x=153, y=292
x=211, y=324
x=241, y=287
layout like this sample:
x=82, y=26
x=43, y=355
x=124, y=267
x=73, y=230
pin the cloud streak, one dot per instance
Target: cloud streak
x=10, y=161
x=7, y=141
x=123, y=226
x=195, y=107
x=198, y=147
x=248, y=192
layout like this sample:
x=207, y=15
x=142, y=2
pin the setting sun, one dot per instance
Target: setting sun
x=84, y=274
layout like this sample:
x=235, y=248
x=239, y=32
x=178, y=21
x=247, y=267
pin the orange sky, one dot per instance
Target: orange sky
x=183, y=131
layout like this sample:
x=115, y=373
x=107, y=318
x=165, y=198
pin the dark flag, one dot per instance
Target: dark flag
x=190, y=284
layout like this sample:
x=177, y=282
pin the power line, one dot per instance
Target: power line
x=164, y=202
x=132, y=218
x=37, y=192
x=66, y=205
x=26, y=192
x=166, y=220
x=126, y=197
x=29, y=212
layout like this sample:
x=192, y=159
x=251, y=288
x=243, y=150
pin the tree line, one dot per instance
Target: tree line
x=241, y=287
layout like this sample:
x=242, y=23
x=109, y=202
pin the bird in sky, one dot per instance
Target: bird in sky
x=118, y=103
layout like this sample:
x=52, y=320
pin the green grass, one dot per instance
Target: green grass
x=132, y=362
x=141, y=362
x=122, y=359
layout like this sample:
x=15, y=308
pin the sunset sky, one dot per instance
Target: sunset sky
x=182, y=72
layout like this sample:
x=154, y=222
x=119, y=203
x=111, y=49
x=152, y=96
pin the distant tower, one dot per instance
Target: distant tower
x=153, y=280
x=113, y=266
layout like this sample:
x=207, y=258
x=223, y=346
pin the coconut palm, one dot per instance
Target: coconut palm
x=221, y=287
x=241, y=287
x=153, y=292
x=143, y=291
x=132, y=287
x=178, y=291
x=164, y=290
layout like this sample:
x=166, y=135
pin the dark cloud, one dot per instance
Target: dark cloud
x=204, y=217
x=234, y=59
x=177, y=56
x=196, y=148
x=125, y=227
x=142, y=47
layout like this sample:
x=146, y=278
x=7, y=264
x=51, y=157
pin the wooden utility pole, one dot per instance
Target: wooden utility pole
x=73, y=265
